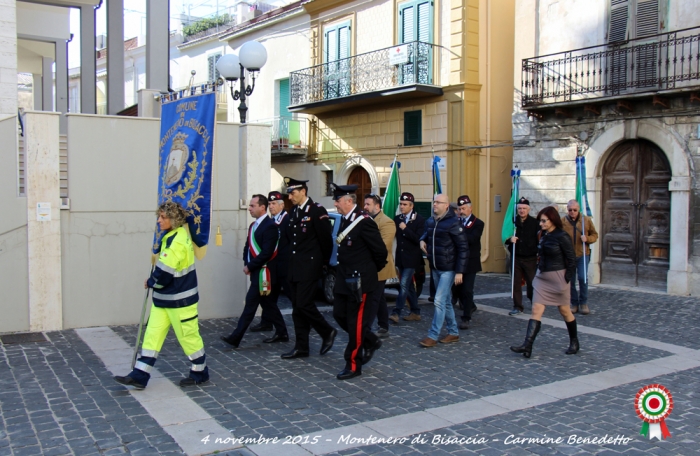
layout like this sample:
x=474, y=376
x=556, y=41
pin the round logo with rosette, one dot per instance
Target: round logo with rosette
x=653, y=405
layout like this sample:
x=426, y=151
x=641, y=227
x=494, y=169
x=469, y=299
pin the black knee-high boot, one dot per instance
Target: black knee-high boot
x=533, y=327
x=573, y=338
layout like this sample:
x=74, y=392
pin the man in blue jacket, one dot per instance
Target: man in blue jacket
x=445, y=243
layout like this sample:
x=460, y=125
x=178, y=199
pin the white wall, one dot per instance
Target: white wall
x=108, y=232
x=571, y=24
x=41, y=20
x=13, y=236
x=8, y=62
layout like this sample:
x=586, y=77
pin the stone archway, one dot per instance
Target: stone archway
x=347, y=168
x=678, y=277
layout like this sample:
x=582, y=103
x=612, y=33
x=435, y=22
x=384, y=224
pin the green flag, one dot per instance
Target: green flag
x=581, y=191
x=393, y=190
x=508, y=229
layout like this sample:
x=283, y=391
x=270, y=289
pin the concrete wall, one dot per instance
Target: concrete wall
x=43, y=20
x=13, y=236
x=108, y=232
x=8, y=58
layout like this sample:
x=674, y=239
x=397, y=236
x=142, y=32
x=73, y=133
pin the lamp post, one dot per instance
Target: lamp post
x=252, y=56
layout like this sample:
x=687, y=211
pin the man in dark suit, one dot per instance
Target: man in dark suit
x=310, y=240
x=260, y=263
x=473, y=228
x=361, y=253
x=409, y=257
x=281, y=219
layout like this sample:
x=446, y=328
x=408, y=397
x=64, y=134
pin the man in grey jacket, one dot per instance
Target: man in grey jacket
x=445, y=243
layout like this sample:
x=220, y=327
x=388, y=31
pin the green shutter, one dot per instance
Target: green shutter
x=412, y=128
x=284, y=98
x=416, y=21
x=336, y=42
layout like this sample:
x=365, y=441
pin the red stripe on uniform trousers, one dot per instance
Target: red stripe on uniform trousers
x=358, y=333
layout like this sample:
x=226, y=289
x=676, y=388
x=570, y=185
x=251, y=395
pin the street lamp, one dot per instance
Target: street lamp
x=252, y=56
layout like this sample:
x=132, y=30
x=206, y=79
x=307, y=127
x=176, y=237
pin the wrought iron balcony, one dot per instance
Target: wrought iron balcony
x=288, y=135
x=362, y=76
x=668, y=61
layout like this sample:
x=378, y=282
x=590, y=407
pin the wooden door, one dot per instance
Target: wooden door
x=636, y=216
x=360, y=177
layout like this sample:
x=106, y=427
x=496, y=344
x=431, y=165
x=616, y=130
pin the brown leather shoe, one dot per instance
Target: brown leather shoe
x=428, y=342
x=412, y=317
x=584, y=309
x=449, y=339
x=574, y=309
x=394, y=318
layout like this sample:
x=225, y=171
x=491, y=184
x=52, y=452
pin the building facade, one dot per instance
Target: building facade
x=617, y=82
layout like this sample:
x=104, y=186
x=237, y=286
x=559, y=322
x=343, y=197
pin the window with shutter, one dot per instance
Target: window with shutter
x=284, y=98
x=413, y=128
x=619, y=16
x=336, y=50
x=213, y=72
x=416, y=27
x=646, y=23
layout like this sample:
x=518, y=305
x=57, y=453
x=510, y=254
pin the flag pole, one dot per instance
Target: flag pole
x=582, y=211
x=515, y=231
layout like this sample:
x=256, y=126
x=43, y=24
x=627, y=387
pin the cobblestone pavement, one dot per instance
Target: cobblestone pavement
x=58, y=397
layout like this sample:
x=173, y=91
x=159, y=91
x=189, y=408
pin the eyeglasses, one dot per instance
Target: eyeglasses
x=544, y=220
x=440, y=202
x=572, y=210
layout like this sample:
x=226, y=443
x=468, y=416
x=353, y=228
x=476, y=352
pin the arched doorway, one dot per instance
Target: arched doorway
x=636, y=210
x=360, y=177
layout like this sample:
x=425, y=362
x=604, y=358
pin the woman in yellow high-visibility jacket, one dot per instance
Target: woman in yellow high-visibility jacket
x=175, y=298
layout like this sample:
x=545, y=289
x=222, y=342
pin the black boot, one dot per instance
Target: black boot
x=533, y=327
x=573, y=338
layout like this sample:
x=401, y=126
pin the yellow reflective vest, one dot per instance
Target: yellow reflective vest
x=174, y=279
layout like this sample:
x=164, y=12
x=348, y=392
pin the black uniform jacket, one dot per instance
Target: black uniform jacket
x=526, y=232
x=557, y=253
x=310, y=241
x=266, y=235
x=473, y=228
x=408, y=252
x=283, y=249
x=361, y=253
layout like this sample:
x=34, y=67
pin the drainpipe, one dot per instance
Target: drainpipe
x=485, y=256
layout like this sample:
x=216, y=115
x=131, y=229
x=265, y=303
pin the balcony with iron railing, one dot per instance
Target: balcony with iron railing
x=658, y=64
x=401, y=71
x=288, y=135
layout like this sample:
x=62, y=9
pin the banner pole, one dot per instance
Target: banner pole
x=582, y=211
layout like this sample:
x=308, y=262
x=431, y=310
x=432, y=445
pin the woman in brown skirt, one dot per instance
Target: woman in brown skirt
x=555, y=268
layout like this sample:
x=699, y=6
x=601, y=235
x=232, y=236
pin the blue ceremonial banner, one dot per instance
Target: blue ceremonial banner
x=437, y=185
x=185, y=161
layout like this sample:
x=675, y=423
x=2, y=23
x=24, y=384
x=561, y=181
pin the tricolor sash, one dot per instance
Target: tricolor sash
x=265, y=279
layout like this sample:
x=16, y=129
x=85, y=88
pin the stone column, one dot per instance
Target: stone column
x=8, y=62
x=42, y=177
x=678, y=277
x=115, y=56
x=255, y=161
x=47, y=84
x=38, y=91
x=157, y=45
x=88, y=78
x=62, y=83
x=149, y=106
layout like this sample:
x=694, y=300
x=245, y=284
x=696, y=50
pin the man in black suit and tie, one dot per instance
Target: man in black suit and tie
x=361, y=254
x=409, y=257
x=310, y=240
x=281, y=219
x=473, y=228
x=260, y=263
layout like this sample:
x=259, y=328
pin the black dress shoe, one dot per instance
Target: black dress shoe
x=328, y=342
x=260, y=327
x=276, y=338
x=229, y=340
x=295, y=354
x=129, y=382
x=191, y=382
x=347, y=374
x=368, y=353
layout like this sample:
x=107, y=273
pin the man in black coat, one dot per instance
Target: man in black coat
x=260, y=263
x=525, y=241
x=281, y=219
x=361, y=254
x=409, y=258
x=446, y=246
x=310, y=240
x=473, y=229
